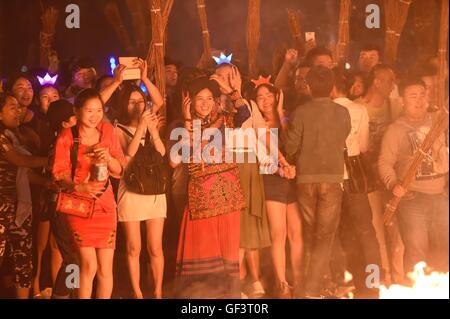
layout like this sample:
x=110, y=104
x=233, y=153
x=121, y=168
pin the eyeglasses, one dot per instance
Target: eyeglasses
x=136, y=103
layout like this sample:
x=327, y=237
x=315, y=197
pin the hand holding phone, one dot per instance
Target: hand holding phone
x=144, y=120
x=148, y=107
x=186, y=102
x=132, y=70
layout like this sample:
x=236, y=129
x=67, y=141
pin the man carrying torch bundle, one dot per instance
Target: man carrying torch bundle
x=423, y=209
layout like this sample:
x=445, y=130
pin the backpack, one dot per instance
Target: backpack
x=146, y=173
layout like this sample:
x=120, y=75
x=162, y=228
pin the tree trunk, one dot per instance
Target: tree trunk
x=2, y=37
x=425, y=17
x=253, y=36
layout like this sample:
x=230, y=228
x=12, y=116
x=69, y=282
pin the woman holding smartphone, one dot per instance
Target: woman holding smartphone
x=135, y=121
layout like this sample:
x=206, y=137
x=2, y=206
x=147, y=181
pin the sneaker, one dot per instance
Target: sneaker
x=256, y=290
x=243, y=295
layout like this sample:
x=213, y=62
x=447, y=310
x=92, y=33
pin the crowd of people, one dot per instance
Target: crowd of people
x=82, y=163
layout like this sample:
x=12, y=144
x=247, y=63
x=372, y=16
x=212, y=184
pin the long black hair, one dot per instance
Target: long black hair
x=272, y=89
x=121, y=98
x=200, y=84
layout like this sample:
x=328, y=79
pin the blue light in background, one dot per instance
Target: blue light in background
x=113, y=64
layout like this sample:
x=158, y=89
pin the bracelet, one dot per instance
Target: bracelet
x=235, y=96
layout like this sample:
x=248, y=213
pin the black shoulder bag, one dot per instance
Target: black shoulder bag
x=146, y=173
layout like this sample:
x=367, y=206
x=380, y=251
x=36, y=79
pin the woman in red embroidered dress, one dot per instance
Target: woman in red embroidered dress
x=208, y=249
x=94, y=237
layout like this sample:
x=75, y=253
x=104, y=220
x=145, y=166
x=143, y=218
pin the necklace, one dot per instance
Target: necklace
x=90, y=137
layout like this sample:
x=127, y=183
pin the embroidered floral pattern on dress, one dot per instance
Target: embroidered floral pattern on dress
x=215, y=194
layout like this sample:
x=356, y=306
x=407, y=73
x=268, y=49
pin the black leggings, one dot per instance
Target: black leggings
x=63, y=236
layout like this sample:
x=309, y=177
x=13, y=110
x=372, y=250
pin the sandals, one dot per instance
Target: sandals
x=44, y=294
x=284, y=291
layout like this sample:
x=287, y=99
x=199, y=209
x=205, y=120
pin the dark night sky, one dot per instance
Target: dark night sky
x=226, y=19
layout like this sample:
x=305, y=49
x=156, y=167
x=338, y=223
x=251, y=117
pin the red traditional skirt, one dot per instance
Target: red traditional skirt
x=208, y=257
x=208, y=249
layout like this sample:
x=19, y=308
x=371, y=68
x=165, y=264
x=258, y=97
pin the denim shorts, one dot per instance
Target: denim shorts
x=279, y=189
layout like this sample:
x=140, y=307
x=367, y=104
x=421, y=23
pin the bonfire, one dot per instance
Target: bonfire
x=425, y=286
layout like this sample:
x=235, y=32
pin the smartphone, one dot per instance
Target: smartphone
x=148, y=106
x=131, y=72
x=310, y=36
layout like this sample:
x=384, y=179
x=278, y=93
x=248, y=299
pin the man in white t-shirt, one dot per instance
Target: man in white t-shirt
x=356, y=230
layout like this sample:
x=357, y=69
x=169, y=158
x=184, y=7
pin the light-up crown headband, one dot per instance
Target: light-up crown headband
x=47, y=79
x=262, y=80
x=223, y=58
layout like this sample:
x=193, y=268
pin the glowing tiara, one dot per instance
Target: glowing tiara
x=223, y=58
x=262, y=80
x=47, y=79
